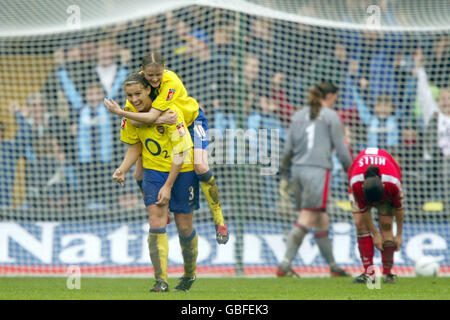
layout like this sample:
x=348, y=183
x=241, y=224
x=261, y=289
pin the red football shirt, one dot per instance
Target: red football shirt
x=390, y=176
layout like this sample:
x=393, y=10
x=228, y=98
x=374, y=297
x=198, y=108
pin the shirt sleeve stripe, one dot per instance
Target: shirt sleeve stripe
x=356, y=178
x=391, y=179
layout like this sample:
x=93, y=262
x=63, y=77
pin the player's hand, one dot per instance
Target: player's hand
x=163, y=196
x=169, y=117
x=377, y=241
x=119, y=177
x=113, y=106
x=285, y=188
x=398, y=242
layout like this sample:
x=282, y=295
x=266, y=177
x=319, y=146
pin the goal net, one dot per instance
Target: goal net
x=250, y=65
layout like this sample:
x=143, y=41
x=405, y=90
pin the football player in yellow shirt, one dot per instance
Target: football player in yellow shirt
x=168, y=90
x=169, y=182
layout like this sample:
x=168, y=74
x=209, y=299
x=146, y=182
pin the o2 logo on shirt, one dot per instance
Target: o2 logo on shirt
x=155, y=148
x=170, y=94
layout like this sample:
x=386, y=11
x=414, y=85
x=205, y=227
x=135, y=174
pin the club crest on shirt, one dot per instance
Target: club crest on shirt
x=170, y=94
x=181, y=129
x=160, y=129
x=123, y=123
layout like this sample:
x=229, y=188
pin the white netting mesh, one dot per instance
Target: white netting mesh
x=250, y=65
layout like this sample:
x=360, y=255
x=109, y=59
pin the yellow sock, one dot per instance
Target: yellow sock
x=211, y=193
x=158, y=245
x=189, y=250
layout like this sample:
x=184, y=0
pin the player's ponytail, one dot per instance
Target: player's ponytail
x=314, y=101
x=373, y=186
x=316, y=94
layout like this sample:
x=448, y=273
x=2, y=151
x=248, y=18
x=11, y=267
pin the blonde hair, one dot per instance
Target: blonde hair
x=153, y=58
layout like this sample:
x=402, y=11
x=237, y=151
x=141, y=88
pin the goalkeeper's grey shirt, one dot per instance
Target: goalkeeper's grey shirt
x=311, y=142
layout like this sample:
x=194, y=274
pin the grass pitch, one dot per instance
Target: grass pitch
x=41, y=288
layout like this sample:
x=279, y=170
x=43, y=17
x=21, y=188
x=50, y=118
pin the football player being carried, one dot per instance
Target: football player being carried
x=169, y=182
x=167, y=89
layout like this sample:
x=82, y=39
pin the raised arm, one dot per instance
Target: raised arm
x=153, y=116
x=363, y=111
x=425, y=96
x=69, y=89
x=145, y=117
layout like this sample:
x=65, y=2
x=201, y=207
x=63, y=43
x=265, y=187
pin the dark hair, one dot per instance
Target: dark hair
x=372, y=171
x=136, y=77
x=316, y=94
x=373, y=186
x=153, y=58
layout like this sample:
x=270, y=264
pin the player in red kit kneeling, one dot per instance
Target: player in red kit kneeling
x=375, y=182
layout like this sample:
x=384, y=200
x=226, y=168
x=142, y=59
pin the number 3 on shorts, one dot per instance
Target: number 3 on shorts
x=191, y=193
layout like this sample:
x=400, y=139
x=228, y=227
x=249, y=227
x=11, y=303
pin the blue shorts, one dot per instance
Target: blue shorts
x=185, y=192
x=199, y=131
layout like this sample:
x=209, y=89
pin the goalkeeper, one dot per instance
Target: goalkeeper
x=166, y=90
x=168, y=182
x=315, y=131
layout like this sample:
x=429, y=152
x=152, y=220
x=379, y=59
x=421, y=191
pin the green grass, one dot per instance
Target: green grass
x=21, y=288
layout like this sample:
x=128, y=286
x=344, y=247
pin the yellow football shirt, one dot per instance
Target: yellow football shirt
x=172, y=91
x=160, y=142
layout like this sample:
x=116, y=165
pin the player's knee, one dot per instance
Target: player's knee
x=322, y=226
x=185, y=231
x=184, y=224
x=200, y=161
x=386, y=226
x=307, y=218
x=361, y=227
x=323, y=221
x=157, y=222
x=201, y=167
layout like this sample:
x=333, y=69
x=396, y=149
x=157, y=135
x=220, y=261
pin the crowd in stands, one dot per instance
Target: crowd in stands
x=250, y=73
